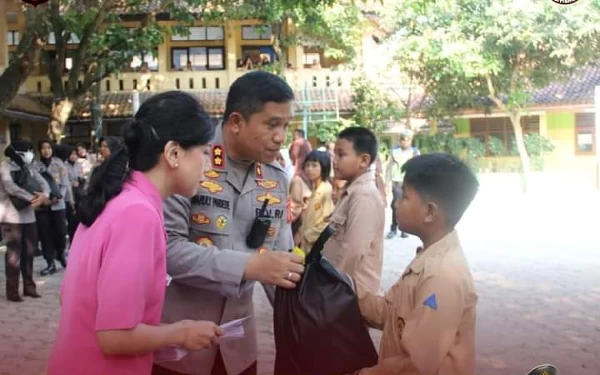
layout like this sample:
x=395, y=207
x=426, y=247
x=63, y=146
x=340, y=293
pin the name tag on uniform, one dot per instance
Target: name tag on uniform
x=169, y=278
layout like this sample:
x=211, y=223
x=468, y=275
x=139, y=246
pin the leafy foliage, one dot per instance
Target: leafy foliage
x=372, y=108
x=537, y=147
x=107, y=44
x=470, y=150
x=484, y=53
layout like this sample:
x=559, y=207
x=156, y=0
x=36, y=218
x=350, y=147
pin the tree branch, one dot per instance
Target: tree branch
x=84, y=44
x=31, y=43
x=515, y=74
x=492, y=96
x=56, y=65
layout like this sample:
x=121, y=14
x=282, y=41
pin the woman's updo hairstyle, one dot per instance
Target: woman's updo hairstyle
x=169, y=116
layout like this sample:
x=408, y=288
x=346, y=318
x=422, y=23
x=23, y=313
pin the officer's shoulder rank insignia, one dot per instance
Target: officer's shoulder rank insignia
x=218, y=156
x=267, y=184
x=211, y=174
x=258, y=171
x=211, y=186
x=272, y=199
x=201, y=219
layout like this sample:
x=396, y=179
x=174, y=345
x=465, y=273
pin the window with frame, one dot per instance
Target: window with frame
x=73, y=39
x=201, y=33
x=259, y=55
x=12, y=38
x=15, y=131
x=50, y=55
x=198, y=58
x=262, y=32
x=312, y=58
x=146, y=62
x=500, y=128
x=585, y=133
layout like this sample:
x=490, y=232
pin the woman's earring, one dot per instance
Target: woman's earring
x=176, y=165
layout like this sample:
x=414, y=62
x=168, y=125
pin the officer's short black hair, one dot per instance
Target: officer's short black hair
x=300, y=132
x=363, y=140
x=444, y=179
x=249, y=93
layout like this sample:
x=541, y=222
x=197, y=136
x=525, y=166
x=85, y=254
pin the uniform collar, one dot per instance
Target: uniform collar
x=360, y=180
x=447, y=243
x=143, y=184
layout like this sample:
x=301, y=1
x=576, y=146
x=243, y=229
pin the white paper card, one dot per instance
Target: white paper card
x=233, y=330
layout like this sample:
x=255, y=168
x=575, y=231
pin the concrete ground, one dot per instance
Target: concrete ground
x=535, y=261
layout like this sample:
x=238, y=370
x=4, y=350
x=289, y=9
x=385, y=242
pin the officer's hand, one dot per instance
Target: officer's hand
x=277, y=268
x=38, y=200
x=196, y=335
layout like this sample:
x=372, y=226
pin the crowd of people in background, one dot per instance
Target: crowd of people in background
x=57, y=178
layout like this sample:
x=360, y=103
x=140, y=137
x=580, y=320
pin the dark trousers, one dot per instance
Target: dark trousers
x=72, y=221
x=52, y=229
x=20, y=242
x=396, y=194
x=217, y=369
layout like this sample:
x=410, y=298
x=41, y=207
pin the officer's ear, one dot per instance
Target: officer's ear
x=236, y=121
x=172, y=154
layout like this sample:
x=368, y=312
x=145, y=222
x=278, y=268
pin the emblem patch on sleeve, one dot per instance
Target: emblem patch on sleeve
x=431, y=302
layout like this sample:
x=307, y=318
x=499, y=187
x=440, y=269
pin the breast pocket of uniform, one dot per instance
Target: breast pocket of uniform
x=338, y=223
x=210, y=220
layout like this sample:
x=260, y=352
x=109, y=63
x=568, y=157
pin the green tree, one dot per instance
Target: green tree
x=106, y=45
x=334, y=25
x=27, y=55
x=373, y=109
x=482, y=53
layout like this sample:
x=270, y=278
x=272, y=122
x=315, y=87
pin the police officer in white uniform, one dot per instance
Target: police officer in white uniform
x=236, y=230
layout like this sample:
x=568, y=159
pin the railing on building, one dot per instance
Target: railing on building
x=199, y=80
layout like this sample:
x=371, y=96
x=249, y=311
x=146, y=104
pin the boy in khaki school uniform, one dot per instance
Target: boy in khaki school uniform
x=358, y=219
x=428, y=316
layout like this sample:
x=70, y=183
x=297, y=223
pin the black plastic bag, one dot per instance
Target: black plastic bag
x=318, y=326
x=25, y=181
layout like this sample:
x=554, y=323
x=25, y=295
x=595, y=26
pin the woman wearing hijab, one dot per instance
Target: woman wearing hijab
x=108, y=146
x=52, y=219
x=17, y=216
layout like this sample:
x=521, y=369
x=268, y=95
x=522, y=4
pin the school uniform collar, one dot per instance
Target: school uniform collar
x=447, y=243
x=143, y=184
x=358, y=182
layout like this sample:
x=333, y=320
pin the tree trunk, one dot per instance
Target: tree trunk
x=280, y=50
x=27, y=55
x=61, y=111
x=515, y=119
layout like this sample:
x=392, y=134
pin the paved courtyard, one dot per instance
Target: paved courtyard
x=535, y=261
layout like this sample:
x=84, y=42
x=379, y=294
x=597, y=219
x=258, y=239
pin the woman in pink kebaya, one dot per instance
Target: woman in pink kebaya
x=113, y=291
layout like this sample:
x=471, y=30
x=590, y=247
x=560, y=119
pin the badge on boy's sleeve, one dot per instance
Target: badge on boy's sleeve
x=431, y=302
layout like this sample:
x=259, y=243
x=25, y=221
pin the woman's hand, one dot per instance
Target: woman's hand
x=196, y=335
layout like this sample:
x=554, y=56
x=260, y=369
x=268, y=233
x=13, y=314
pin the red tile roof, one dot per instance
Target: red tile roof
x=120, y=104
x=579, y=89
